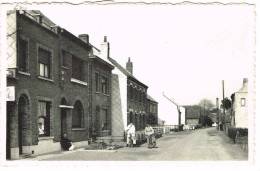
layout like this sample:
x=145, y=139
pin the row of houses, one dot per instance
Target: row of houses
x=58, y=83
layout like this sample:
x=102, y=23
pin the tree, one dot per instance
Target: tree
x=226, y=103
x=206, y=103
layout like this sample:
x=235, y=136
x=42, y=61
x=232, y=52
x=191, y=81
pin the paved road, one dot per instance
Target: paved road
x=202, y=144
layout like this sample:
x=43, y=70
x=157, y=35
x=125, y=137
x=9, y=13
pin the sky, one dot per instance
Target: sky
x=182, y=50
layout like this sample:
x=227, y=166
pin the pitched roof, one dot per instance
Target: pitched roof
x=95, y=57
x=150, y=98
x=192, y=112
x=124, y=71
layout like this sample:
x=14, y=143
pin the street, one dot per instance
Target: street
x=201, y=144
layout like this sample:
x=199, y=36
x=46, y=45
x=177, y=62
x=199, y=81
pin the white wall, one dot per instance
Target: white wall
x=241, y=112
x=119, y=103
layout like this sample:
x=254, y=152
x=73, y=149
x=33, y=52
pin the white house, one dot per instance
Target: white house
x=239, y=118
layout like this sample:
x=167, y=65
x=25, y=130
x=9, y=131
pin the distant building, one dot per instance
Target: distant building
x=192, y=115
x=152, y=111
x=239, y=114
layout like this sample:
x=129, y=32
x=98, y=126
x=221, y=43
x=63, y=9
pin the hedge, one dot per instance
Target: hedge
x=232, y=133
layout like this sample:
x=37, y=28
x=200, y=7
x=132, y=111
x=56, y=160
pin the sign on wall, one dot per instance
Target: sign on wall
x=10, y=93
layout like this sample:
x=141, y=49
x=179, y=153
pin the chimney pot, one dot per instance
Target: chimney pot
x=129, y=66
x=245, y=80
x=84, y=38
x=105, y=38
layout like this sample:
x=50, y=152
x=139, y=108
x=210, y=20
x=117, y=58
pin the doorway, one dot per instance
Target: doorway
x=63, y=117
x=23, y=111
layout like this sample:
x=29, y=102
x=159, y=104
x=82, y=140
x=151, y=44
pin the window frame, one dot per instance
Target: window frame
x=50, y=67
x=81, y=64
x=97, y=82
x=82, y=122
x=242, y=102
x=106, y=84
x=47, y=117
x=23, y=38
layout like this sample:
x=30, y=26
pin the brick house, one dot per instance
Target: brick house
x=192, y=115
x=239, y=109
x=152, y=111
x=100, y=98
x=48, y=69
x=128, y=97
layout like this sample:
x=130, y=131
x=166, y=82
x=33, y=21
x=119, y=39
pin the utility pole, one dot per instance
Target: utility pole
x=178, y=108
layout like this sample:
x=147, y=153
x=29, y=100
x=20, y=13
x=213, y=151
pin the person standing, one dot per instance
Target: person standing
x=149, y=132
x=130, y=131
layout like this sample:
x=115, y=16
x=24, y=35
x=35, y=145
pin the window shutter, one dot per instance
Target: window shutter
x=44, y=56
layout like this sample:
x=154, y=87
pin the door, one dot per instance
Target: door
x=63, y=121
x=23, y=109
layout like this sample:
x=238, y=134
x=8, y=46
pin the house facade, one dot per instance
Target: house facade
x=193, y=114
x=48, y=75
x=239, y=109
x=100, y=98
x=152, y=111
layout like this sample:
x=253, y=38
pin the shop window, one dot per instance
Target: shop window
x=44, y=118
x=44, y=60
x=23, y=55
x=78, y=116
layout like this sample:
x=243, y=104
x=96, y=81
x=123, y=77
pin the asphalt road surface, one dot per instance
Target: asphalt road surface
x=202, y=144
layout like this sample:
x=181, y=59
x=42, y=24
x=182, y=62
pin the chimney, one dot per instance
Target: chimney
x=84, y=38
x=129, y=66
x=245, y=80
x=105, y=49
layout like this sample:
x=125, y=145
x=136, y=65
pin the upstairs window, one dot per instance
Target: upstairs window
x=44, y=60
x=243, y=102
x=104, y=85
x=23, y=55
x=66, y=59
x=97, y=82
x=77, y=68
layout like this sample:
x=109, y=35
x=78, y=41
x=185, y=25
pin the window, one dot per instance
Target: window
x=44, y=58
x=66, y=59
x=77, y=68
x=78, y=116
x=131, y=93
x=104, y=119
x=104, y=85
x=23, y=55
x=243, y=102
x=44, y=118
x=97, y=82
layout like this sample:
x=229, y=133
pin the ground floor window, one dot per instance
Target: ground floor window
x=44, y=118
x=78, y=116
